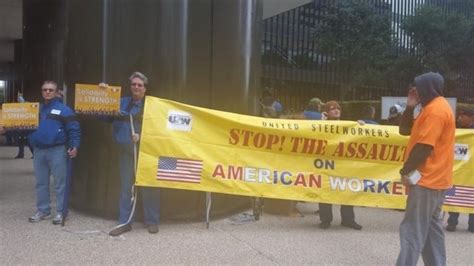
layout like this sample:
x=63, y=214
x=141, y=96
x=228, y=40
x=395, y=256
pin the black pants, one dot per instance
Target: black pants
x=22, y=140
x=325, y=213
x=453, y=219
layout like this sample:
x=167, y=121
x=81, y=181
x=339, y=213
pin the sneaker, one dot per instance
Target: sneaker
x=324, y=225
x=120, y=230
x=153, y=228
x=450, y=228
x=58, y=219
x=352, y=225
x=39, y=216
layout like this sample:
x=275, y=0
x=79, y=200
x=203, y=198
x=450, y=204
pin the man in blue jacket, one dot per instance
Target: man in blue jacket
x=126, y=140
x=56, y=138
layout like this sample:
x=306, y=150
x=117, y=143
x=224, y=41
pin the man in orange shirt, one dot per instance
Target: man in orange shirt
x=427, y=171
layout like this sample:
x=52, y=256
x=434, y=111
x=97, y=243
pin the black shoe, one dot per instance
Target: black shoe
x=324, y=225
x=451, y=228
x=153, y=228
x=19, y=157
x=352, y=225
x=120, y=230
x=471, y=229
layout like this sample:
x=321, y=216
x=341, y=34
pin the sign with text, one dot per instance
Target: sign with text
x=91, y=99
x=339, y=162
x=19, y=116
x=389, y=101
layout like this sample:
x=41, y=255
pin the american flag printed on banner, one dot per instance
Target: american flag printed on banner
x=179, y=170
x=460, y=196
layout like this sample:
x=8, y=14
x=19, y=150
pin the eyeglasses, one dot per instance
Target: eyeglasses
x=47, y=89
x=137, y=84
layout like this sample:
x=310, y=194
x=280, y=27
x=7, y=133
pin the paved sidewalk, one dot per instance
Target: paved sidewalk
x=272, y=240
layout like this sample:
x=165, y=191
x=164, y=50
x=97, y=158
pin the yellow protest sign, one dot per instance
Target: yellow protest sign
x=340, y=162
x=94, y=100
x=17, y=116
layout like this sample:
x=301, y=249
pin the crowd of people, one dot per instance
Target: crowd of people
x=427, y=171
x=429, y=155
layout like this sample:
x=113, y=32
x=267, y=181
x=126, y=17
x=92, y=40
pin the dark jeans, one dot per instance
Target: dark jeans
x=454, y=216
x=150, y=196
x=9, y=135
x=325, y=213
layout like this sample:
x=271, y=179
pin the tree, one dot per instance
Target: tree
x=443, y=42
x=358, y=40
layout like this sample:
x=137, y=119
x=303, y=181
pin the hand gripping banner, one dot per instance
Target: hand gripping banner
x=340, y=162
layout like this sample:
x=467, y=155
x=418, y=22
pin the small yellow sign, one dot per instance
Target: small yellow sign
x=20, y=115
x=91, y=99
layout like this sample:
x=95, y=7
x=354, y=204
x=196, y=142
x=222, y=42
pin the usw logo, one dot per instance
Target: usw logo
x=461, y=152
x=179, y=120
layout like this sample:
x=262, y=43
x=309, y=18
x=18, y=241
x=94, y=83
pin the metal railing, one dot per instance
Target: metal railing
x=292, y=64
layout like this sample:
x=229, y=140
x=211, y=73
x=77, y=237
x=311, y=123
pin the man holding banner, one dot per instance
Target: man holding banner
x=465, y=120
x=123, y=127
x=428, y=171
x=56, y=138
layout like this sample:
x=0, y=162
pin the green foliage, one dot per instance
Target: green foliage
x=359, y=39
x=271, y=57
x=443, y=42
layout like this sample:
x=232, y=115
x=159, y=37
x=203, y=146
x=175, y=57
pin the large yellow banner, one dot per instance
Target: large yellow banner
x=18, y=116
x=340, y=162
x=93, y=100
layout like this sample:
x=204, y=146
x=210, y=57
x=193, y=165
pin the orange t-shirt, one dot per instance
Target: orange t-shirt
x=435, y=126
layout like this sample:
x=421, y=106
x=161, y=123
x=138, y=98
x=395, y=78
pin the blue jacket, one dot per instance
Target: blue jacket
x=312, y=115
x=57, y=126
x=370, y=121
x=121, y=125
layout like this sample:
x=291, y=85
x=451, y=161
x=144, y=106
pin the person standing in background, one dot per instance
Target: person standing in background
x=465, y=120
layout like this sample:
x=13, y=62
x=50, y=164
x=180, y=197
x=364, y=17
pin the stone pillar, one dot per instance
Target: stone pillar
x=200, y=52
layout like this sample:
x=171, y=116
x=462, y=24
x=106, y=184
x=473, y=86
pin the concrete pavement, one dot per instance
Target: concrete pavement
x=271, y=240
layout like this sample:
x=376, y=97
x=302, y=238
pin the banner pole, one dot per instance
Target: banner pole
x=134, y=191
x=67, y=191
x=208, y=207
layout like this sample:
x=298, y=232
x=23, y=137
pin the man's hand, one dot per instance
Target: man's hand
x=413, y=99
x=324, y=116
x=135, y=138
x=404, y=179
x=103, y=85
x=72, y=152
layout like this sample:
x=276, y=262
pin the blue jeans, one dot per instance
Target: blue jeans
x=150, y=196
x=47, y=162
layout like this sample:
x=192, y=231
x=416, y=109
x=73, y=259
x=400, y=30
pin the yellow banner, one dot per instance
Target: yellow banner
x=18, y=116
x=94, y=100
x=340, y=162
